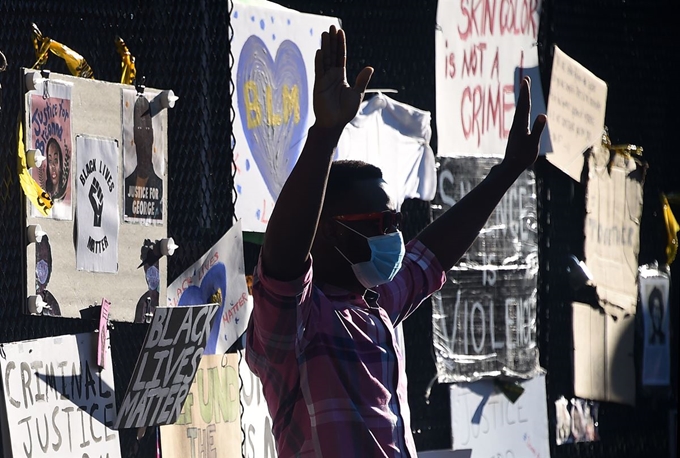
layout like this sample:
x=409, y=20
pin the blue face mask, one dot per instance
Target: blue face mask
x=387, y=253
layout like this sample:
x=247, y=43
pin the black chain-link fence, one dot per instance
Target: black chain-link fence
x=631, y=44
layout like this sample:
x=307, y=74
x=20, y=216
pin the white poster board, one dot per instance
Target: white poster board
x=256, y=421
x=56, y=401
x=218, y=277
x=273, y=51
x=96, y=110
x=478, y=46
x=576, y=107
x=485, y=421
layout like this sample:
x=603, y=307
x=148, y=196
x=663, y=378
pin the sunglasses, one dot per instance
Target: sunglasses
x=386, y=220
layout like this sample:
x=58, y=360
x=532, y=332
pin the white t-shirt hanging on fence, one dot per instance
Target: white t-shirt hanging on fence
x=396, y=138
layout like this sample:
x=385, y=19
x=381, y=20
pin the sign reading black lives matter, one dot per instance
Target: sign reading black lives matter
x=166, y=367
x=484, y=318
x=56, y=402
x=97, y=209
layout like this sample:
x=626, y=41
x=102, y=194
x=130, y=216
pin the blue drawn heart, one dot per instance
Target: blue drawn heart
x=215, y=279
x=273, y=103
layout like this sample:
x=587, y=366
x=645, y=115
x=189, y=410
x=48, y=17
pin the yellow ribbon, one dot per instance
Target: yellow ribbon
x=127, y=65
x=672, y=228
x=38, y=197
x=75, y=62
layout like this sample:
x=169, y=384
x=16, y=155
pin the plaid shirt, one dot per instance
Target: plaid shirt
x=332, y=374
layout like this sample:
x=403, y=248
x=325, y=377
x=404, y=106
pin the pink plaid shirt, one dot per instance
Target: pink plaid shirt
x=332, y=374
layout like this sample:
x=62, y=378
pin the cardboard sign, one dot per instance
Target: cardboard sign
x=256, y=421
x=576, y=107
x=166, y=367
x=485, y=421
x=273, y=50
x=484, y=318
x=97, y=186
x=218, y=276
x=209, y=424
x=603, y=339
x=56, y=401
x=478, y=46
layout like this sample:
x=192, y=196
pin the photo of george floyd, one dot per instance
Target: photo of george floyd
x=143, y=158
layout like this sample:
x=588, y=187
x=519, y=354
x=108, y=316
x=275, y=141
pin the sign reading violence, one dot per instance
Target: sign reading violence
x=484, y=318
x=166, y=367
x=56, y=401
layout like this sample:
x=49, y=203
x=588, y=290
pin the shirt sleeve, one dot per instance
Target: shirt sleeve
x=273, y=323
x=420, y=275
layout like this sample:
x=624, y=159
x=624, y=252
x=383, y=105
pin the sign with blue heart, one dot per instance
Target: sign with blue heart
x=274, y=50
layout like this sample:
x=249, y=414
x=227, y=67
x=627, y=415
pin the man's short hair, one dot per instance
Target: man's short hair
x=344, y=174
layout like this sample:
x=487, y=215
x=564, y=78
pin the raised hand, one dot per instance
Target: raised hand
x=97, y=201
x=335, y=102
x=522, y=148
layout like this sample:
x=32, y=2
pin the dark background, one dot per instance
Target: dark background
x=632, y=44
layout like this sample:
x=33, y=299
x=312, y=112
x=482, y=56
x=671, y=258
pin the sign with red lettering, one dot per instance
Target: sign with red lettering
x=55, y=401
x=273, y=49
x=479, y=44
x=166, y=367
x=218, y=277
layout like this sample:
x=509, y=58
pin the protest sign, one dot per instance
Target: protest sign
x=49, y=130
x=166, y=367
x=218, y=276
x=56, y=401
x=256, y=421
x=576, y=107
x=487, y=422
x=484, y=318
x=208, y=425
x=654, y=299
x=97, y=222
x=103, y=333
x=144, y=152
x=478, y=46
x=273, y=49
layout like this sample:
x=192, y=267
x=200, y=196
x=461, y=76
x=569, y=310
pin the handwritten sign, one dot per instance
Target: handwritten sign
x=576, y=107
x=49, y=130
x=485, y=315
x=273, y=50
x=209, y=424
x=98, y=221
x=103, y=333
x=478, y=45
x=484, y=420
x=57, y=402
x=166, y=367
x=257, y=423
x=219, y=277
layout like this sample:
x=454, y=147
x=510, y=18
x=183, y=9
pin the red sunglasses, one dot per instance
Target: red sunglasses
x=386, y=219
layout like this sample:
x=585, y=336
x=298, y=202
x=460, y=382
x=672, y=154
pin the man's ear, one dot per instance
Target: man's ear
x=330, y=231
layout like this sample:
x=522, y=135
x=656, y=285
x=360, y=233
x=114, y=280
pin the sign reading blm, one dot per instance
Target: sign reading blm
x=484, y=318
x=166, y=367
